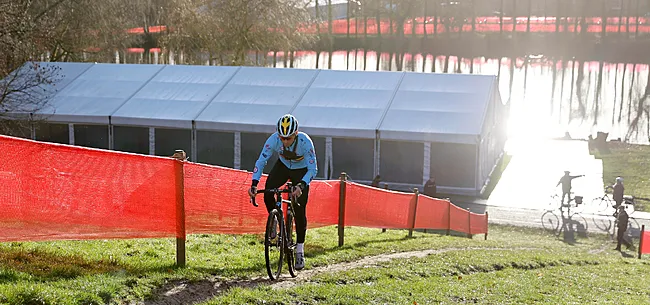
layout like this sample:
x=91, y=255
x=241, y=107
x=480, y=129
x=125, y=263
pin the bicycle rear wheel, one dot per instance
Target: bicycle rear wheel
x=274, y=244
x=291, y=246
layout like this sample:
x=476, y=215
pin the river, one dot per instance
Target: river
x=547, y=97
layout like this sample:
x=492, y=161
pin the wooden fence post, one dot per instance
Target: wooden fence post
x=385, y=187
x=343, y=179
x=641, y=239
x=180, y=207
x=486, y=225
x=448, y=217
x=415, y=210
x=469, y=223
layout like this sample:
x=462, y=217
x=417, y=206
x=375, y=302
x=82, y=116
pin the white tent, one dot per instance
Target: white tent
x=405, y=126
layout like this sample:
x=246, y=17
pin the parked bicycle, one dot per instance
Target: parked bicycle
x=279, y=242
x=605, y=202
x=569, y=218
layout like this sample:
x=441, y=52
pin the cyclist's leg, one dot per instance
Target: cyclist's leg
x=299, y=212
x=277, y=177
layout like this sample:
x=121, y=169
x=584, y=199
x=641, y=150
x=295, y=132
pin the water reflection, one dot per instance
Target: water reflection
x=547, y=96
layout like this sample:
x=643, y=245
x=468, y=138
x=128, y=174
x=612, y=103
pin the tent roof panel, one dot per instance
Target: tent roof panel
x=438, y=104
x=176, y=94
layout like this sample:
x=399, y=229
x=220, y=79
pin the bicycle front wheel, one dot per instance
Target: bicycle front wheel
x=291, y=246
x=274, y=244
x=601, y=204
x=550, y=222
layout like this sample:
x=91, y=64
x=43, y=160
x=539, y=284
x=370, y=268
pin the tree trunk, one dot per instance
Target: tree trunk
x=348, y=20
x=501, y=20
x=318, y=19
x=530, y=11
x=558, y=17
x=603, y=21
x=620, y=17
x=473, y=16
x=627, y=19
x=514, y=18
x=435, y=19
x=638, y=14
x=424, y=25
x=330, y=38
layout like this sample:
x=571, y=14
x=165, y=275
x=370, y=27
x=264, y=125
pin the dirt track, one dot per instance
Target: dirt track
x=193, y=292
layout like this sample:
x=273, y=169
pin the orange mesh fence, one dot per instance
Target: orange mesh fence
x=477, y=223
x=644, y=247
x=216, y=201
x=323, y=205
x=458, y=219
x=432, y=213
x=50, y=192
x=370, y=207
x=53, y=192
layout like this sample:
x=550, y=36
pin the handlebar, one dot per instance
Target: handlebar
x=277, y=191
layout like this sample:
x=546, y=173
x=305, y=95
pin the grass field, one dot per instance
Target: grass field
x=515, y=265
x=632, y=162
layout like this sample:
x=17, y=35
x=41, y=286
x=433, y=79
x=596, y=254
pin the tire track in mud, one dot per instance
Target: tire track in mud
x=190, y=292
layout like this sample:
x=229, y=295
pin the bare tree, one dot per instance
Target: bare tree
x=228, y=29
x=53, y=30
x=24, y=87
x=80, y=30
x=24, y=92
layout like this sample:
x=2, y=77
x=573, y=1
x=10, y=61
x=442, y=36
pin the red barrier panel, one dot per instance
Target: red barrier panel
x=323, y=205
x=371, y=207
x=54, y=192
x=477, y=224
x=216, y=201
x=458, y=219
x=644, y=247
x=432, y=213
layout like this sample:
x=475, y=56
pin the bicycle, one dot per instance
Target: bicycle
x=603, y=202
x=283, y=240
x=573, y=221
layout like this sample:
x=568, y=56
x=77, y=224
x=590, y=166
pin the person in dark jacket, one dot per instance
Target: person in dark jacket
x=430, y=188
x=622, y=219
x=566, y=185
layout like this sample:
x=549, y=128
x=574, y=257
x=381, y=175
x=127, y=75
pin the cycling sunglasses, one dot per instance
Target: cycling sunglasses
x=289, y=138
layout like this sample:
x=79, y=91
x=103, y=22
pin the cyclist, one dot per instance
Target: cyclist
x=296, y=162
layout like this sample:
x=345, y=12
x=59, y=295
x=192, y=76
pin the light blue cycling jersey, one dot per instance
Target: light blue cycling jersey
x=305, y=157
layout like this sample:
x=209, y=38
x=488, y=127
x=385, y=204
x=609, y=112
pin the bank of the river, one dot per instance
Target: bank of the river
x=632, y=162
x=614, y=48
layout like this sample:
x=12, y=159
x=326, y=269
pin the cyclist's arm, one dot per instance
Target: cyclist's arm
x=310, y=157
x=267, y=150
